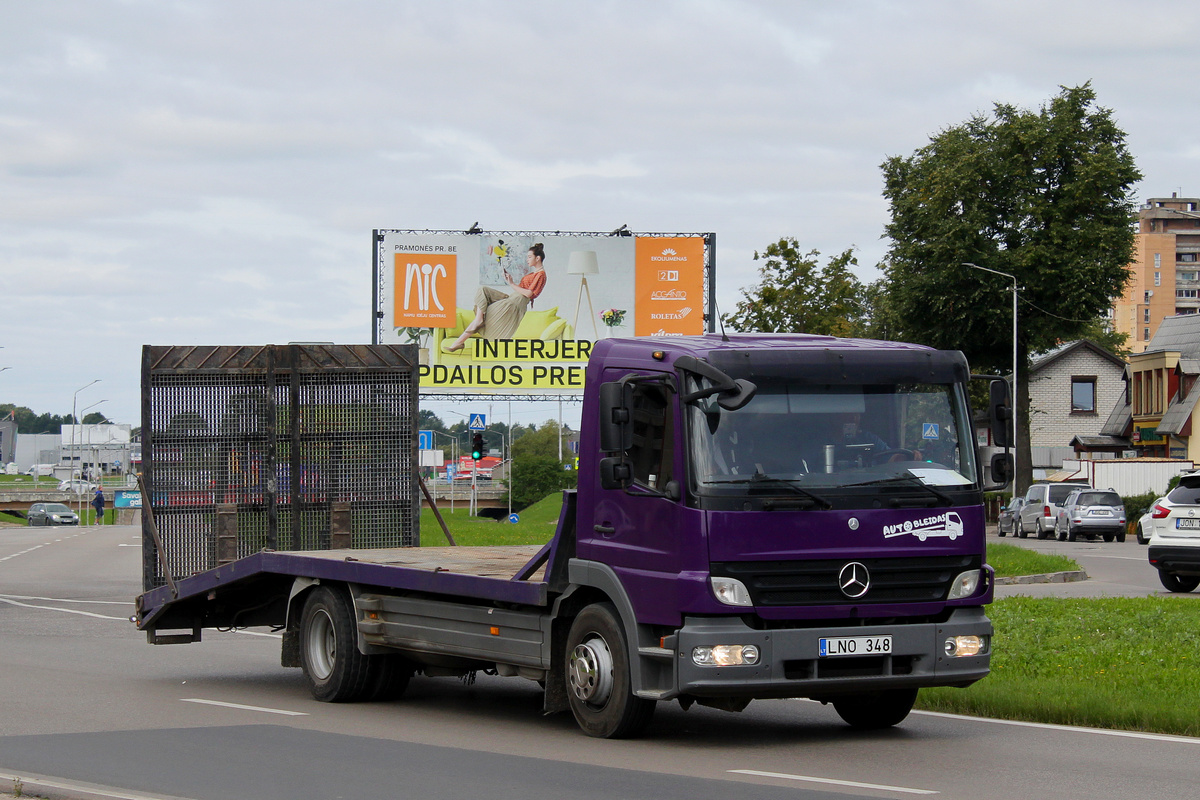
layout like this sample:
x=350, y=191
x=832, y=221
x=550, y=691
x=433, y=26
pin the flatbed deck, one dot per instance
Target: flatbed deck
x=508, y=574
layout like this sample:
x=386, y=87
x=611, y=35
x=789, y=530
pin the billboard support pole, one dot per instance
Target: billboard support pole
x=711, y=241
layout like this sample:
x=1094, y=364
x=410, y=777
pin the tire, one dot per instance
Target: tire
x=390, y=675
x=1000, y=530
x=1141, y=538
x=1121, y=536
x=1021, y=532
x=1108, y=537
x=335, y=670
x=1059, y=533
x=1178, y=583
x=598, y=677
x=1070, y=534
x=876, y=710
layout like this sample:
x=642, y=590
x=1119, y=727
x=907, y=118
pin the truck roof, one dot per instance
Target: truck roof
x=700, y=346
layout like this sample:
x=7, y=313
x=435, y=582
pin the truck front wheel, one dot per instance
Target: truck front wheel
x=334, y=668
x=598, y=677
x=875, y=710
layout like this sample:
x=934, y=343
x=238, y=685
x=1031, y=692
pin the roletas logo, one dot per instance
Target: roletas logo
x=680, y=314
x=949, y=525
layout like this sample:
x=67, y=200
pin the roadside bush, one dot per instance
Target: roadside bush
x=1135, y=506
x=535, y=477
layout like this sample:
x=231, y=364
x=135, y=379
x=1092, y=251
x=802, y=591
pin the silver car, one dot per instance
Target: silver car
x=1042, y=502
x=1006, y=521
x=1091, y=513
x=51, y=514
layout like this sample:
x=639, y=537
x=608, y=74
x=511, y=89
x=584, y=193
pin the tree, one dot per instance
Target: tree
x=794, y=295
x=1045, y=196
x=29, y=422
x=536, y=469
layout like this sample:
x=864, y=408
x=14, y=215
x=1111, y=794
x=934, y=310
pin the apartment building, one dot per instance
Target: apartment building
x=1166, y=269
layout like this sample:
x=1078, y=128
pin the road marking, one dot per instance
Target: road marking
x=23, y=552
x=62, y=600
x=1154, y=737
x=831, y=781
x=62, y=610
x=243, y=708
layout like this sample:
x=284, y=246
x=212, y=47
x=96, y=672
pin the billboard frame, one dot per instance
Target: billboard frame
x=378, y=284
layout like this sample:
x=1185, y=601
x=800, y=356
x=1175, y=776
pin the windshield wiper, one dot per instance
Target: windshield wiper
x=768, y=480
x=764, y=479
x=911, y=480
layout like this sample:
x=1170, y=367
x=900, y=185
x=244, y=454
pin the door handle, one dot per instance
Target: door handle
x=604, y=529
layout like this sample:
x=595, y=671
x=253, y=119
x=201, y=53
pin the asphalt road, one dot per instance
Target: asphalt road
x=86, y=704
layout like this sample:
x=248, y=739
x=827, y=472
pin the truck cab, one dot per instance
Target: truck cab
x=787, y=516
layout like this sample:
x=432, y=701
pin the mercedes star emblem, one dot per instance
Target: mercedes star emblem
x=854, y=580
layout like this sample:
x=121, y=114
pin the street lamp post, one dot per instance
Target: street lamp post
x=86, y=449
x=1012, y=278
x=75, y=420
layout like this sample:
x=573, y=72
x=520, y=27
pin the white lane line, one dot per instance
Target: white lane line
x=242, y=707
x=23, y=552
x=62, y=610
x=831, y=781
x=1154, y=737
x=63, y=600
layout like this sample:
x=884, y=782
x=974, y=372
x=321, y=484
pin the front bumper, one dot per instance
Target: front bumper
x=789, y=665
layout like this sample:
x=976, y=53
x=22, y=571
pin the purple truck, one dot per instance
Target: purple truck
x=757, y=516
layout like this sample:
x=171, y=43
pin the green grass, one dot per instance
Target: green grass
x=1010, y=560
x=536, y=526
x=1114, y=662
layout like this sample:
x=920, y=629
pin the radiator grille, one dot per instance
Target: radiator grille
x=804, y=583
x=283, y=434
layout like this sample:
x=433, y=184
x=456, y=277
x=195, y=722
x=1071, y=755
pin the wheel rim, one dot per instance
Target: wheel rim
x=591, y=671
x=322, y=645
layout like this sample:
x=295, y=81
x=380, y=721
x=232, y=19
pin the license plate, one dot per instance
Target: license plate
x=855, y=646
x=1187, y=522
x=1100, y=512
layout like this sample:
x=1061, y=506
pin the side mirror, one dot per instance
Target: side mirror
x=1002, y=471
x=1000, y=413
x=616, y=427
x=615, y=473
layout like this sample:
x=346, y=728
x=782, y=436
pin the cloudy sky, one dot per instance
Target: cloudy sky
x=211, y=172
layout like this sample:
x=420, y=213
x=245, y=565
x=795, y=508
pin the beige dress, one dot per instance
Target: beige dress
x=503, y=311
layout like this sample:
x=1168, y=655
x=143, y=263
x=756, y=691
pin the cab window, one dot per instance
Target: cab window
x=652, y=455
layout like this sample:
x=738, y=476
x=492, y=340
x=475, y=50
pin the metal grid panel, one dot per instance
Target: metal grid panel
x=230, y=427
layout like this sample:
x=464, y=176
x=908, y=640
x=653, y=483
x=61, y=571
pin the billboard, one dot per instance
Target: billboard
x=516, y=313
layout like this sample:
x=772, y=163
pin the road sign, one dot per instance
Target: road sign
x=424, y=440
x=478, y=422
x=514, y=519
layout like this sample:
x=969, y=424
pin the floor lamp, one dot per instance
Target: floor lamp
x=584, y=263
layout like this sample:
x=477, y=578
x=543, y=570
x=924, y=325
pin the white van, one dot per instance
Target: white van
x=40, y=470
x=1042, y=504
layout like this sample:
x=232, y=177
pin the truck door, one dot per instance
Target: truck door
x=638, y=530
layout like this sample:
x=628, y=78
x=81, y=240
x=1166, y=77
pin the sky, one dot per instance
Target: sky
x=211, y=172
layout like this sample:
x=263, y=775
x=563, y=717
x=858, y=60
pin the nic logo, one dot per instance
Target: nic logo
x=425, y=287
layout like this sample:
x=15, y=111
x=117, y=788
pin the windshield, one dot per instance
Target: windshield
x=823, y=436
x=57, y=508
x=1098, y=499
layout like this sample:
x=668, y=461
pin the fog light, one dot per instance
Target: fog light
x=730, y=591
x=965, y=584
x=725, y=655
x=960, y=646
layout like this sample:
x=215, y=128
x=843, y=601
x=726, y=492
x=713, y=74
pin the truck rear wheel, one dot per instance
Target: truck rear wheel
x=334, y=668
x=598, y=677
x=875, y=710
x=1178, y=583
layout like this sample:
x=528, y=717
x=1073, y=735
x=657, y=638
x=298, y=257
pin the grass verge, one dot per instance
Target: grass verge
x=1127, y=663
x=536, y=526
x=1010, y=560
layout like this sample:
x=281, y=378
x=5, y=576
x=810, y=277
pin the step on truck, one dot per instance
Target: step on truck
x=757, y=516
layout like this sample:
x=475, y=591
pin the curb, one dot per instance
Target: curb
x=1048, y=577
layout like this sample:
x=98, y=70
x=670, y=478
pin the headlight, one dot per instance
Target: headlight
x=725, y=655
x=965, y=585
x=958, y=646
x=56, y=517
x=730, y=591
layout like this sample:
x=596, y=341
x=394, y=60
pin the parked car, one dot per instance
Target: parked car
x=77, y=486
x=1175, y=542
x=1006, y=521
x=1152, y=519
x=51, y=514
x=1042, y=504
x=1091, y=513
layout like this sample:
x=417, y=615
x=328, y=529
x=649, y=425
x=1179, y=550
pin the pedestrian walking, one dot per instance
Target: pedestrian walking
x=98, y=504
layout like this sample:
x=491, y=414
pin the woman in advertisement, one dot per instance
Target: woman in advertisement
x=498, y=313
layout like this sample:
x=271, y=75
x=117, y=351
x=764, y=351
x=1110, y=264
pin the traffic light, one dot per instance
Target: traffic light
x=477, y=446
